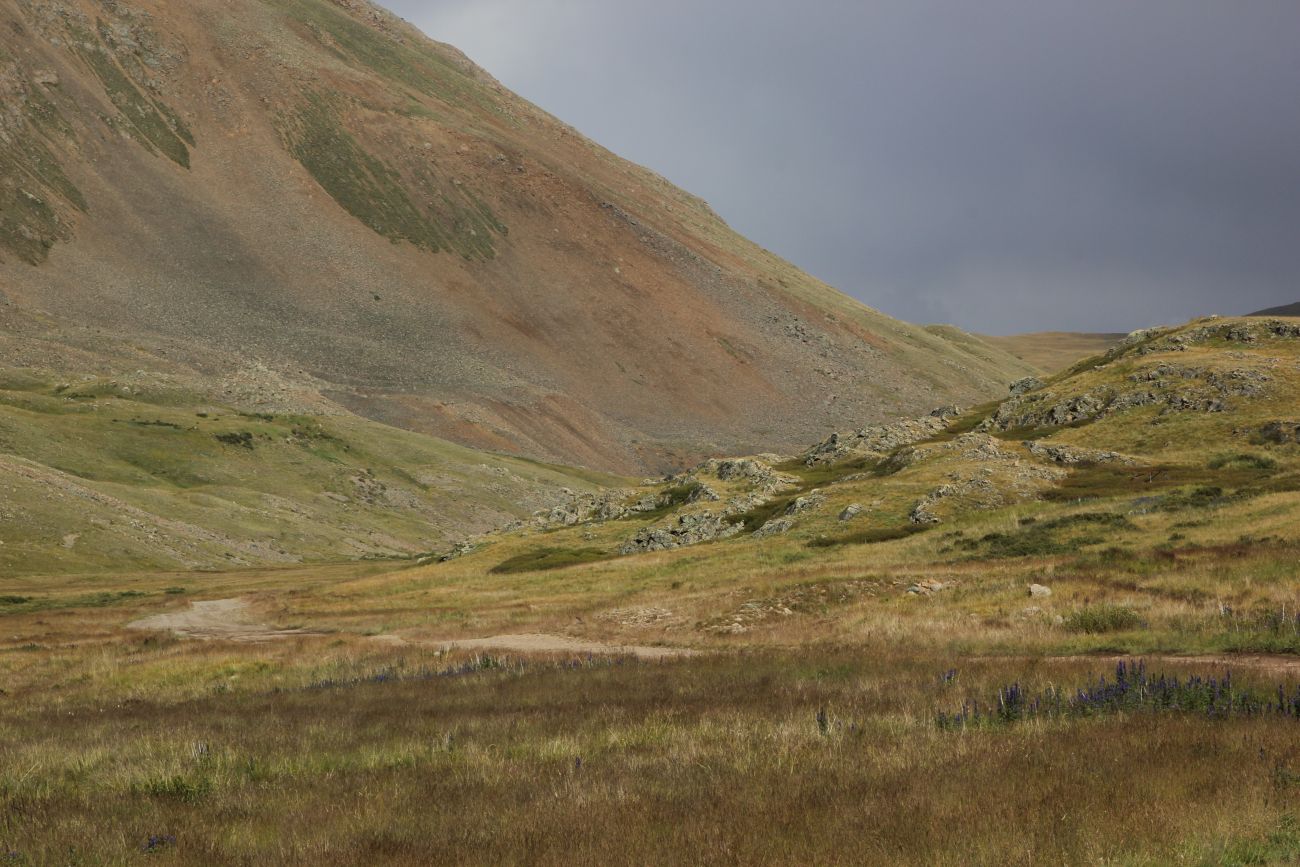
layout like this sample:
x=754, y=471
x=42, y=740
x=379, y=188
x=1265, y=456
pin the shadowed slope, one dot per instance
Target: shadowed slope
x=1282, y=310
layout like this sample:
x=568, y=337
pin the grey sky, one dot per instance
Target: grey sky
x=1004, y=165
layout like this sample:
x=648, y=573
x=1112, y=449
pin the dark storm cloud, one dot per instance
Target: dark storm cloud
x=1004, y=164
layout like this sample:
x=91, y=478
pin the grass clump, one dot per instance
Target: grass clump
x=1199, y=497
x=678, y=495
x=760, y=515
x=241, y=439
x=1103, y=618
x=549, y=558
x=828, y=473
x=1102, y=481
x=1279, y=846
x=1064, y=535
x=185, y=790
x=1242, y=461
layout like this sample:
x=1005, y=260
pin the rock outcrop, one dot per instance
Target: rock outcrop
x=689, y=529
x=1075, y=455
x=1176, y=388
x=880, y=440
x=989, y=474
x=1028, y=384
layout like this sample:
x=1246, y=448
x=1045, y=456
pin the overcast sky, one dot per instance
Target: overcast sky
x=1005, y=165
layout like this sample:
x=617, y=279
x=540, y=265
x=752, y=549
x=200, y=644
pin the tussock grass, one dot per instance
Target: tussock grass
x=758, y=759
x=1242, y=461
x=1095, y=619
x=806, y=733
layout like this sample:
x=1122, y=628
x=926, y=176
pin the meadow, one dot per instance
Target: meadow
x=863, y=690
x=828, y=736
x=826, y=755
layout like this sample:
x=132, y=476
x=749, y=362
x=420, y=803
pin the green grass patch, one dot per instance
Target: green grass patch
x=240, y=439
x=760, y=515
x=1022, y=434
x=186, y=790
x=377, y=194
x=420, y=67
x=1279, y=846
x=1064, y=535
x=1101, y=481
x=1099, y=619
x=1242, y=461
x=1199, y=497
x=965, y=423
x=678, y=495
x=828, y=473
x=148, y=121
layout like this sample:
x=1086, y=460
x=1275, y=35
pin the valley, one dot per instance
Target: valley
x=785, y=633
x=389, y=474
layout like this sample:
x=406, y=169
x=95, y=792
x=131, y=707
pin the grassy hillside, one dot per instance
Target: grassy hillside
x=958, y=632
x=1052, y=351
x=126, y=473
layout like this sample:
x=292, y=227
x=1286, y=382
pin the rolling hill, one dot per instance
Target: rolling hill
x=1283, y=310
x=1104, y=557
x=1051, y=351
x=314, y=194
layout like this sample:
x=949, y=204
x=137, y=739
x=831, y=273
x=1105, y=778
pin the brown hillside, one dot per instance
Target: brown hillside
x=314, y=187
x=1051, y=351
x=1281, y=310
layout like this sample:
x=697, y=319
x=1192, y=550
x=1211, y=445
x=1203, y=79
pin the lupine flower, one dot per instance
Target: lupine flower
x=1132, y=690
x=157, y=842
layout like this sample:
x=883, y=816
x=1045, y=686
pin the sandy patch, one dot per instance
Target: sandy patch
x=226, y=619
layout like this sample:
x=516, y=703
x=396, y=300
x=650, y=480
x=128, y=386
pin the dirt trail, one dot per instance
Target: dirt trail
x=226, y=619
x=229, y=620
x=537, y=642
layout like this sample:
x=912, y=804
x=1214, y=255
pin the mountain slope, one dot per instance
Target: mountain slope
x=1161, y=477
x=1051, y=351
x=315, y=187
x=1282, y=310
x=114, y=460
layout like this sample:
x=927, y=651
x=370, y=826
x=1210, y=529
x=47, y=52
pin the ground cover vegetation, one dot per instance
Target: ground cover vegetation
x=923, y=654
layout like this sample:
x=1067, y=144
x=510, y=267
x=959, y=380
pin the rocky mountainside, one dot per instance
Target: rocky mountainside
x=1174, y=423
x=313, y=199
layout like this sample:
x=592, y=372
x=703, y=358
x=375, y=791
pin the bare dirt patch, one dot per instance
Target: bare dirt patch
x=224, y=619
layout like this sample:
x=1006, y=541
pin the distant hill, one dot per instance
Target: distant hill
x=1051, y=351
x=314, y=190
x=1283, y=310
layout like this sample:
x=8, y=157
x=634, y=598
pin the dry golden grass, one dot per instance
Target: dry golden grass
x=806, y=732
x=1051, y=351
x=721, y=760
